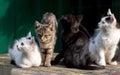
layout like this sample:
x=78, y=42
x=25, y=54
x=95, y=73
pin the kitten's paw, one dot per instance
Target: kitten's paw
x=24, y=66
x=42, y=64
x=113, y=63
x=101, y=63
x=47, y=65
x=54, y=62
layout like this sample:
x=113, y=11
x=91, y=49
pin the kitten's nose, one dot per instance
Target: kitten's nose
x=42, y=38
x=22, y=43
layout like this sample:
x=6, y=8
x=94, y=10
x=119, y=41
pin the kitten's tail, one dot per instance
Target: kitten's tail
x=94, y=67
x=58, y=58
x=84, y=67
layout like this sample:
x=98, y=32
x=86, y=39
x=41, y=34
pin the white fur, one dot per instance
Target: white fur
x=103, y=45
x=26, y=55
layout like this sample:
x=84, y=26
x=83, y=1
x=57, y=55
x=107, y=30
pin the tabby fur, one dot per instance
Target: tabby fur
x=46, y=32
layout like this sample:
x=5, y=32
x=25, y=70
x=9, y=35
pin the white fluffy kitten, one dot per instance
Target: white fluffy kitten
x=25, y=52
x=103, y=45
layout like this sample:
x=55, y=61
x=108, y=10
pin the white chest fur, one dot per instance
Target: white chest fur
x=103, y=47
x=108, y=39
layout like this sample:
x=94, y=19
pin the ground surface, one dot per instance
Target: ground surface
x=7, y=69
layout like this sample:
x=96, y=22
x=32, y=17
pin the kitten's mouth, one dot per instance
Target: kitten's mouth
x=45, y=41
x=42, y=41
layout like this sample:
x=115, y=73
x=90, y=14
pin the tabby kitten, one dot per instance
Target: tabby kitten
x=75, y=40
x=46, y=33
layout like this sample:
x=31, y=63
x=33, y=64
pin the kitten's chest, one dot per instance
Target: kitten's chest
x=112, y=38
x=47, y=45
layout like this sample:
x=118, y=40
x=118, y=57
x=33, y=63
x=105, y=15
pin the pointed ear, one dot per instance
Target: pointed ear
x=29, y=34
x=33, y=41
x=109, y=12
x=38, y=24
x=16, y=41
x=79, y=18
x=63, y=20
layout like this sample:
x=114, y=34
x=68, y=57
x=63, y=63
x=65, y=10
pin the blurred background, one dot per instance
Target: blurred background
x=17, y=17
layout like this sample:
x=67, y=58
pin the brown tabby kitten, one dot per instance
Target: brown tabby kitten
x=75, y=40
x=46, y=33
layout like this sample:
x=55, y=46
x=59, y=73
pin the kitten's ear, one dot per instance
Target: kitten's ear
x=38, y=24
x=16, y=41
x=79, y=18
x=63, y=19
x=12, y=45
x=109, y=12
x=29, y=34
x=33, y=41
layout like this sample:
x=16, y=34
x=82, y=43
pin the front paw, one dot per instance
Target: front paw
x=101, y=63
x=113, y=63
x=47, y=64
x=54, y=62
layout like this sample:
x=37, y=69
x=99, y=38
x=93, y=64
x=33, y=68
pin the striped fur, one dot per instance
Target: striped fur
x=46, y=32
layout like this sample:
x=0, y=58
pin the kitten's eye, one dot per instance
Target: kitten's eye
x=103, y=22
x=29, y=38
x=39, y=35
x=76, y=29
x=46, y=35
x=22, y=43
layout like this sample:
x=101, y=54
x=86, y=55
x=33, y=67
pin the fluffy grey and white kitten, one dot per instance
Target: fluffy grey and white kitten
x=25, y=52
x=103, y=45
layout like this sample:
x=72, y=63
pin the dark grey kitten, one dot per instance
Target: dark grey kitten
x=75, y=40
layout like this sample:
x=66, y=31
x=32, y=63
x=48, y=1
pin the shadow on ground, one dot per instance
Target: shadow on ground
x=7, y=69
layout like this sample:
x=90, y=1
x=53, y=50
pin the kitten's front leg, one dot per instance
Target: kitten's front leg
x=110, y=56
x=43, y=56
x=48, y=58
x=101, y=58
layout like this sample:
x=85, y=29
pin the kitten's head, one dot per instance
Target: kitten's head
x=49, y=18
x=43, y=32
x=26, y=44
x=71, y=23
x=108, y=21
